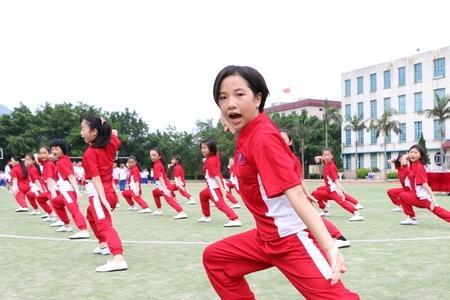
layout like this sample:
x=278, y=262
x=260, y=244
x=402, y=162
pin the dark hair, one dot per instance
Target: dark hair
x=289, y=134
x=104, y=131
x=137, y=163
x=45, y=147
x=35, y=163
x=177, y=158
x=327, y=149
x=160, y=155
x=22, y=166
x=396, y=161
x=61, y=144
x=422, y=151
x=210, y=144
x=254, y=79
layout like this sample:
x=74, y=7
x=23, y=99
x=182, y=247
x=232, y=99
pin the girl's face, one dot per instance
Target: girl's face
x=237, y=102
x=231, y=162
x=131, y=163
x=57, y=152
x=403, y=160
x=43, y=154
x=414, y=155
x=204, y=149
x=154, y=155
x=327, y=156
x=86, y=133
x=28, y=161
x=286, y=138
x=13, y=162
x=173, y=161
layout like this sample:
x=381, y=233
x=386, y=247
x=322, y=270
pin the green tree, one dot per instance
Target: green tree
x=355, y=123
x=330, y=114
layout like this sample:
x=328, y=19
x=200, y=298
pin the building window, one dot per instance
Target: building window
x=373, y=160
x=439, y=68
x=360, y=87
x=439, y=93
x=373, y=109
x=361, y=110
x=387, y=104
x=417, y=73
x=402, y=133
x=360, y=160
x=402, y=104
x=348, y=137
x=373, y=136
x=437, y=130
x=417, y=130
x=361, y=137
x=348, y=111
x=389, y=136
x=401, y=76
x=387, y=79
x=348, y=88
x=418, y=102
x=348, y=162
x=373, y=82
x=437, y=158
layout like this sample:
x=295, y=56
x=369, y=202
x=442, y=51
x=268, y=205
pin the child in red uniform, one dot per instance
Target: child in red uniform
x=34, y=176
x=98, y=161
x=180, y=181
x=401, y=163
x=214, y=191
x=341, y=241
x=20, y=183
x=162, y=187
x=69, y=193
x=134, y=191
x=271, y=190
x=49, y=184
x=421, y=195
x=233, y=182
x=333, y=189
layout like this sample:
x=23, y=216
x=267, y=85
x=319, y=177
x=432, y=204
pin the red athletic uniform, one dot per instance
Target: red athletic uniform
x=134, y=191
x=180, y=181
x=23, y=185
x=160, y=172
x=403, y=173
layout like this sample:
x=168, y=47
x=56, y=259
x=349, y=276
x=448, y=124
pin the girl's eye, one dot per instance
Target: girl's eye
x=240, y=94
x=222, y=98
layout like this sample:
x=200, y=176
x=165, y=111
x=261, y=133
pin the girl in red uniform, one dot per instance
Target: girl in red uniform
x=162, y=187
x=20, y=183
x=421, y=195
x=69, y=194
x=214, y=191
x=36, y=184
x=98, y=161
x=49, y=183
x=333, y=189
x=134, y=191
x=180, y=181
x=401, y=163
x=233, y=182
x=341, y=241
x=270, y=188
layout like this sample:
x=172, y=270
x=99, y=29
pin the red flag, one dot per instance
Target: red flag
x=287, y=90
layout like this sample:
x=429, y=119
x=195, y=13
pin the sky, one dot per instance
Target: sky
x=160, y=58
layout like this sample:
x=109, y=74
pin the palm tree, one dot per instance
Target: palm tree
x=384, y=125
x=440, y=111
x=303, y=127
x=330, y=114
x=355, y=123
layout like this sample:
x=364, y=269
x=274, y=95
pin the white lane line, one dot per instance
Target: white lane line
x=23, y=237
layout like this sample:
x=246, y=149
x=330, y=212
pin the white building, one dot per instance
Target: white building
x=314, y=107
x=407, y=85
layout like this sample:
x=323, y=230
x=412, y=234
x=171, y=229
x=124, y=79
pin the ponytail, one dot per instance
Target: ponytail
x=104, y=131
x=22, y=166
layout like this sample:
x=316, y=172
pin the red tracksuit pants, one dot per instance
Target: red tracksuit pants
x=130, y=195
x=101, y=223
x=69, y=200
x=394, y=194
x=215, y=195
x=157, y=194
x=409, y=199
x=323, y=195
x=173, y=187
x=20, y=198
x=297, y=256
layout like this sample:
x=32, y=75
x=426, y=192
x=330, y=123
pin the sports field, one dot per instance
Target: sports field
x=385, y=261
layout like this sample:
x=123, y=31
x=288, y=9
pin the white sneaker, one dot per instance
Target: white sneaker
x=22, y=209
x=342, y=244
x=158, y=212
x=181, y=215
x=234, y=223
x=356, y=217
x=83, y=234
x=113, y=265
x=100, y=250
x=44, y=216
x=117, y=205
x=191, y=202
x=204, y=219
x=57, y=223
x=145, y=210
x=35, y=212
x=64, y=229
x=237, y=205
x=212, y=204
x=397, y=209
x=409, y=221
x=134, y=207
x=359, y=206
x=323, y=213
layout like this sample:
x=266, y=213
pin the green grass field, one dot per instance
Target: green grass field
x=381, y=263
